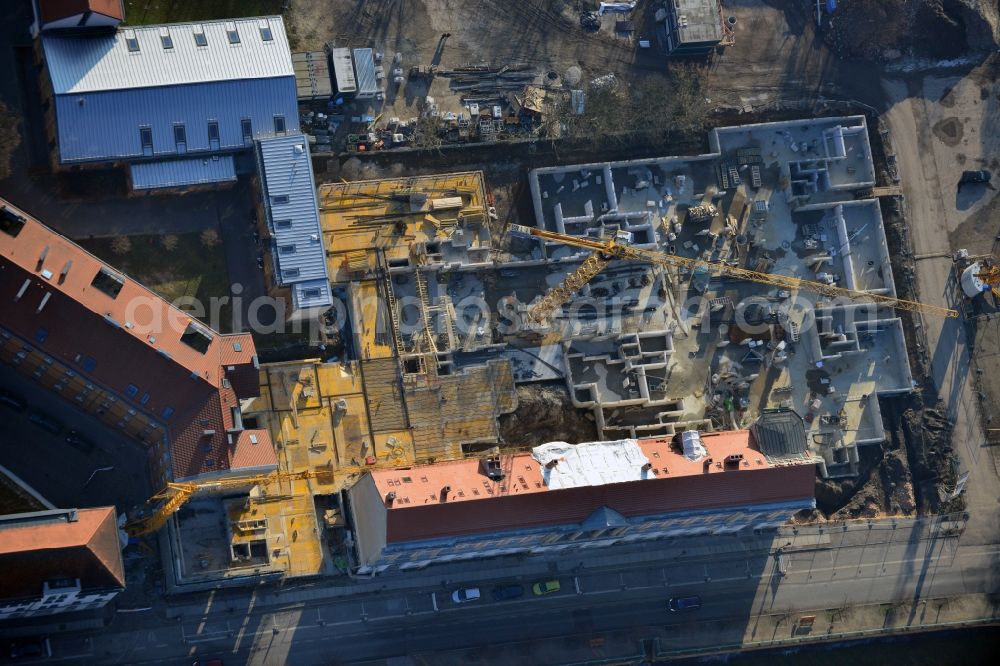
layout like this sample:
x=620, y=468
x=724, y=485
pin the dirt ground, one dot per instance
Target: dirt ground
x=545, y=414
x=777, y=55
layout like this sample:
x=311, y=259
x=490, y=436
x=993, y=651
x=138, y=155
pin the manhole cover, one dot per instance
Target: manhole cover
x=552, y=76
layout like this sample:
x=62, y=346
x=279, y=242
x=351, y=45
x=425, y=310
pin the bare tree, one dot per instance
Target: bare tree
x=121, y=245
x=169, y=242
x=210, y=238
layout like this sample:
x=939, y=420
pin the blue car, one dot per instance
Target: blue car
x=505, y=592
x=684, y=604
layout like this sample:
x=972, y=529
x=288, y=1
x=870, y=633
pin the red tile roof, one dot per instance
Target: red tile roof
x=130, y=343
x=46, y=545
x=53, y=10
x=252, y=449
x=522, y=500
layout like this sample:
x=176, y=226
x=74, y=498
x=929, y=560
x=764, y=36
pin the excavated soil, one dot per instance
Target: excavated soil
x=545, y=414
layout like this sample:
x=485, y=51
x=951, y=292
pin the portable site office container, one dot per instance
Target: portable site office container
x=364, y=70
x=343, y=71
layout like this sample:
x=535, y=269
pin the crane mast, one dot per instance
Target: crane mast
x=606, y=250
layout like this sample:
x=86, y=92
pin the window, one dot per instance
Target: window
x=231, y=33
x=282, y=224
x=279, y=199
x=279, y=124
x=107, y=282
x=166, y=40
x=10, y=222
x=265, y=31
x=237, y=347
x=310, y=293
x=213, y=131
x=168, y=412
x=146, y=139
x=247, y=129
x=199, y=36
x=180, y=138
x=290, y=272
x=144, y=399
x=286, y=249
x=131, y=41
x=196, y=338
x=131, y=390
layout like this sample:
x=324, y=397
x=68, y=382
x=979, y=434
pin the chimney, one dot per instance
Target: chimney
x=444, y=493
x=707, y=464
x=552, y=463
x=72, y=516
x=390, y=497
x=65, y=271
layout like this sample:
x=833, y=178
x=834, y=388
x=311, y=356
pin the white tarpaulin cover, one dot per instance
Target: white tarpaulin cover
x=591, y=463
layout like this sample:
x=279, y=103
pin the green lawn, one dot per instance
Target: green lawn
x=138, y=12
x=189, y=270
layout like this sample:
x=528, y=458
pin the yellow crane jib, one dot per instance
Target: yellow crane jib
x=620, y=248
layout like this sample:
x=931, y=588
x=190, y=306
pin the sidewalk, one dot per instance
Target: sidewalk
x=758, y=633
x=472, y=572
x=802, y=537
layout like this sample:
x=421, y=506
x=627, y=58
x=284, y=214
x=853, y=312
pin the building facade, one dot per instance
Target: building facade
x=562, y=497
x=59, y=561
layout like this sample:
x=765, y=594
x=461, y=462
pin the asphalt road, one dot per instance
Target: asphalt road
x=833, y=570
x=115, y=472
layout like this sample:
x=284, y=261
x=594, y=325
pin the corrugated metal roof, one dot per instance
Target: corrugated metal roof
x=290, y=199
x=311, y=294
x=178, y=173
x=364, y=67
x=343, y=70
x=104, y=125
x=137, y=57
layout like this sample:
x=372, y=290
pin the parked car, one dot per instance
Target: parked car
x=13, y=401
x=465, y=594
x=80, y=441
x=545, y=587
x=970, y=177
x=30, y=647
x=684, y=604
x=43, y=420
x=505, y=592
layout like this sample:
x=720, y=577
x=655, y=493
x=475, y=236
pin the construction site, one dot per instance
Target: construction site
x=747, y=287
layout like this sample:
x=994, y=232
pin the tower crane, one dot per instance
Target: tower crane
x=168, y=501
x=619, y=247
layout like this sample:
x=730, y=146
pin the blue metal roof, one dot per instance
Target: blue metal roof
x=289, y=192
x=178, y=173
x=100, y=126
x=311, y=294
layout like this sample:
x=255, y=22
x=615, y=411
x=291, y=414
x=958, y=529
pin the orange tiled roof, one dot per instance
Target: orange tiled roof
x=46, y=545
x=53, y=10
x=420, y=510
x=130, y=343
